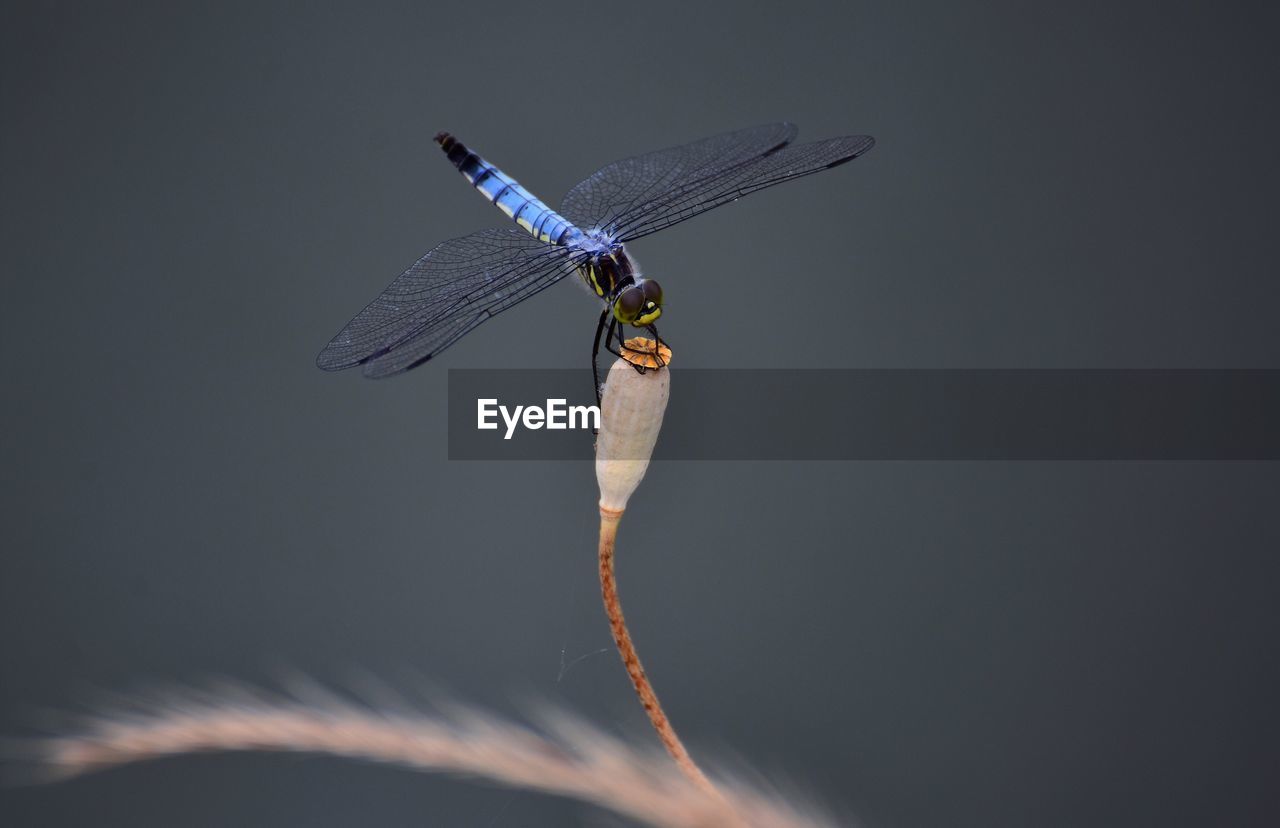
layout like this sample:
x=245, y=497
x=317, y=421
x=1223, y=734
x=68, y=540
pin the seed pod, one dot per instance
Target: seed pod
x=631, y=412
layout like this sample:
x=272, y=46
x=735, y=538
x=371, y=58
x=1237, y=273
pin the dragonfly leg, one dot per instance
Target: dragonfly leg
x=615, y=332
x=608, y=340
x=595, y=353
x=657, y=345
x=622, y=345
x=609, y=337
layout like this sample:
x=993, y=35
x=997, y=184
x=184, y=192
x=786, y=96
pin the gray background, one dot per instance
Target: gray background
x=196, y=199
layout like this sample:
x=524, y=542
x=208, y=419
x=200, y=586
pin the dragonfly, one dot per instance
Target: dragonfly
x=463, y=282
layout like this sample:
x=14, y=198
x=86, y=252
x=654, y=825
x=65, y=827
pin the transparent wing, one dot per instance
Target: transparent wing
x=633, y=182
x=686, y=199
x=443, y=296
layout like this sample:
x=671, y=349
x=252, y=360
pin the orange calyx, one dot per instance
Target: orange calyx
x=640, y=351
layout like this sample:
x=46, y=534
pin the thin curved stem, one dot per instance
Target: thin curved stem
x=631, y=659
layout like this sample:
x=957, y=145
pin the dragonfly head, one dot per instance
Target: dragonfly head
x=639, y=305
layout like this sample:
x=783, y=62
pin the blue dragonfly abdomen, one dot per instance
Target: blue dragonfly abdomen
x=505, y=193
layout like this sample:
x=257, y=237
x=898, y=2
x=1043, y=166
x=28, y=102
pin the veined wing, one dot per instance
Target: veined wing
x=686, y=199
x=628, y=185
x=444, y=295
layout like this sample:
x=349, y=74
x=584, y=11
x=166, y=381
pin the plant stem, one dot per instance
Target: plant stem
x=631, y=660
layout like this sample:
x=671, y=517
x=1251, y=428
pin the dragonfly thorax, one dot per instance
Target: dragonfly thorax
x=612, y=276
x=608, y=272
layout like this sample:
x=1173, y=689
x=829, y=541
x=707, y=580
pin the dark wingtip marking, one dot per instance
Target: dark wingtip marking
x=378, y=353
x=868, y=143
x=445, y=140
x=418, y=362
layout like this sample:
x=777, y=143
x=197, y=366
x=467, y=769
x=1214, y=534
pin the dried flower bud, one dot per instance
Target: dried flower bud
x=631, y=412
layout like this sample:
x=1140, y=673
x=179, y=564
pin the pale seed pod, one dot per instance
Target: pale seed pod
x=631, y=412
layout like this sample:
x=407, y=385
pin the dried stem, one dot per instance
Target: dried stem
x=631, y=659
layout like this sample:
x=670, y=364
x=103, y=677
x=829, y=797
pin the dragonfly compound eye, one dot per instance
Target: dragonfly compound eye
x=651, y=309
x=629, y=305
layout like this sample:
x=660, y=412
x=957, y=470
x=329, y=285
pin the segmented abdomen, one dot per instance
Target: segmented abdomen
x=505, y=192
